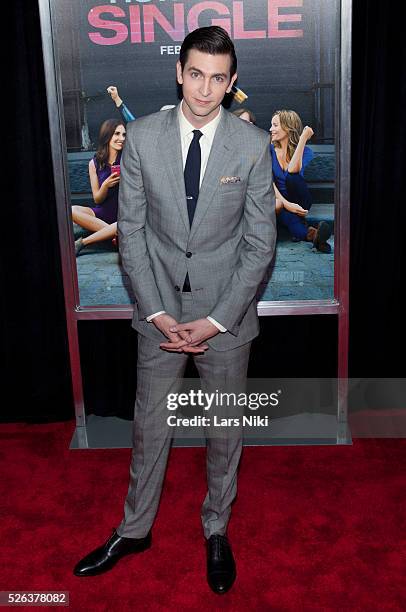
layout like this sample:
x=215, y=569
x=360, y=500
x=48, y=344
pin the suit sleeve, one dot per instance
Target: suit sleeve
x=132, y=211
x=259, y=239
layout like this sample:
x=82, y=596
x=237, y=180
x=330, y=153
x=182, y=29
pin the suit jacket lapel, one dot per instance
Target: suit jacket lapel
x=170, y=148
x=221, y=150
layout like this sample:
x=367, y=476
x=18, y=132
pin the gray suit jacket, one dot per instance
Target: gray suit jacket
x=232, y=238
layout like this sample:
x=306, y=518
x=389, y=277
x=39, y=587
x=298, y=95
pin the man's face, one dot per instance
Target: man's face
x=205, y=80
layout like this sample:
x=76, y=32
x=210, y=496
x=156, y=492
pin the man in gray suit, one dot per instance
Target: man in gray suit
x=196, y=229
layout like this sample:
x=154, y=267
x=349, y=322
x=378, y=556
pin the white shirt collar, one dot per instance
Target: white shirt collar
x=207, y=130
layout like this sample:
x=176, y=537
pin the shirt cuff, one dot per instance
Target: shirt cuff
x=149, y=319
x=219, y=327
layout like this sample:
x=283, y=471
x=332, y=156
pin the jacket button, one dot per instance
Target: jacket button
x=188, y=254
x=177, y=288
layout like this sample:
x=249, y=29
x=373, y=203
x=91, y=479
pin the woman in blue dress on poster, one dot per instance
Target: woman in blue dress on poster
x=104, y=174
x=290, y=156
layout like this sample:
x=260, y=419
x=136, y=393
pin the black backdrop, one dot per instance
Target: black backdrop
x=37, y=384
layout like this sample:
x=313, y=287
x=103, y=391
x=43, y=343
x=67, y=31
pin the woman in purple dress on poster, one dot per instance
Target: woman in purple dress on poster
x=104, y=173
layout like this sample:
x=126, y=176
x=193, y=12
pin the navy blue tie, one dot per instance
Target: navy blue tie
x=192, y=174
x=192, y=182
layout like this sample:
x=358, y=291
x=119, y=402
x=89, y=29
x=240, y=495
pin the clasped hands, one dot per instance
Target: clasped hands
x=185, y=337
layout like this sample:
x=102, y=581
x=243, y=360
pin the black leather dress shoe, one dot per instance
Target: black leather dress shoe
x=105, y=557
x=221, y=570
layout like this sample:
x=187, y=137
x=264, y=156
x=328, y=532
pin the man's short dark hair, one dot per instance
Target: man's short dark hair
x=211, y=39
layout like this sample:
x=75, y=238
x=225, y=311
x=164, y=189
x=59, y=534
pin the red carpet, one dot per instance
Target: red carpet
x=313, y=528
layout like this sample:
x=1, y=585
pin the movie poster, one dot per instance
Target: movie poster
x=116, y=60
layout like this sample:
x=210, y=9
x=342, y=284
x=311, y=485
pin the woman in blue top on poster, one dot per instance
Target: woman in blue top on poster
x=290, y=156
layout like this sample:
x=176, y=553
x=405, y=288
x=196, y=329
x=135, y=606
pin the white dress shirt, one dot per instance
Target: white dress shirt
x=186, y=137
x=206, y=141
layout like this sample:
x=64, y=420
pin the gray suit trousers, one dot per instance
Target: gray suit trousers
x=159, y=373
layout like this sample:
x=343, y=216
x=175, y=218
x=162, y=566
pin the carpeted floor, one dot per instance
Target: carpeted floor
x=313, y=528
